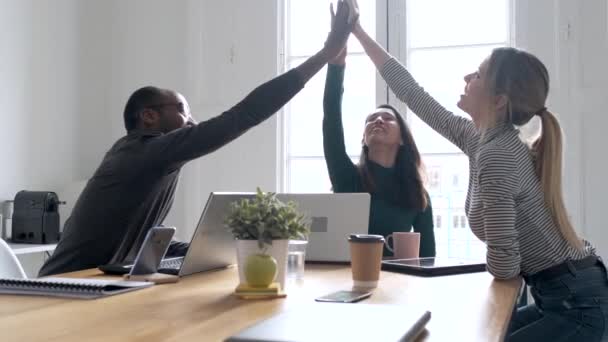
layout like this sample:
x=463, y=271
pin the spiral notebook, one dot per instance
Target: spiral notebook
x=69, y=287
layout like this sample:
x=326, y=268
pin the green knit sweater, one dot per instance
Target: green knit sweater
x=386, y=216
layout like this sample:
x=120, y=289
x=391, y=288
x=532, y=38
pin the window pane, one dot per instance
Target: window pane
x=304, y=118
x=359, y=99
x=441, y=73
x=447, y=166
x=308, y=175
x=306, y=109
x=448, y=205
x=309, y=24
x=455, y=240
x=449, y=22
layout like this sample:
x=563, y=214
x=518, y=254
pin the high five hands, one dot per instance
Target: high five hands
x=343, y=20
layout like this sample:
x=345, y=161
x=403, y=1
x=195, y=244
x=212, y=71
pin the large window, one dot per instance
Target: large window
x=307, y=26
x=440, y=41
x=445, y=40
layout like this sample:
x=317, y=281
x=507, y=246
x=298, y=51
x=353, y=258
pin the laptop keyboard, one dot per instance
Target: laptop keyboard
x=174, y=263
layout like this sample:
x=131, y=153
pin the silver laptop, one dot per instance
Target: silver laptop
x=212, y=245
x=333, y=218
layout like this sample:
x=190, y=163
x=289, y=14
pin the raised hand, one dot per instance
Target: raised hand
x=353, y=11
x=340, y=58
x=334, y=45
x=340, y=29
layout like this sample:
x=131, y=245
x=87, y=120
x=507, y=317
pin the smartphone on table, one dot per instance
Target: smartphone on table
x=344, y=296
x=152, y=250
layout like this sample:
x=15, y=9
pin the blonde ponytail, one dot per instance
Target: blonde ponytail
x=548, y=149
x=524, y=80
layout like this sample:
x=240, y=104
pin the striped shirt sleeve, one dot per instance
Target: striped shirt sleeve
x=460, y=131
x=497, y=188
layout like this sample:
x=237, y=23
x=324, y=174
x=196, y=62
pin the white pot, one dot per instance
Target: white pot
x=278, y=250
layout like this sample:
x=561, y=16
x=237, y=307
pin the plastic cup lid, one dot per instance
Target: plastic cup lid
x=366, y=238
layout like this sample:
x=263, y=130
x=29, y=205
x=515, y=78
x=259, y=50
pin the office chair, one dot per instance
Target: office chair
x=10, y=267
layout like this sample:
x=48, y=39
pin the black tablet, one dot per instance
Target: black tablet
x=438, y=266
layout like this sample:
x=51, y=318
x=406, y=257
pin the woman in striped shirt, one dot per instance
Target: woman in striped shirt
x=514, y=200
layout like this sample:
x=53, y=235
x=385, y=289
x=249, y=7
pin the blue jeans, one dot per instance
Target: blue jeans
x=570, y=307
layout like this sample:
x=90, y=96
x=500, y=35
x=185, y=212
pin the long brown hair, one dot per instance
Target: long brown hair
x=409, y=169
x=525, y=81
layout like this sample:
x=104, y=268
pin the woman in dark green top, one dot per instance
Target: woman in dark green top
x=389, y=167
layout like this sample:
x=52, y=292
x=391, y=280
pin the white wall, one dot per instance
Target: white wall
x=590, y=96
x=541, y=27
x=208, y=51
x=69, y=67
x=571, y=37
x=94, y=136
x=38, y=94
x=238, y=51
x=39, y=98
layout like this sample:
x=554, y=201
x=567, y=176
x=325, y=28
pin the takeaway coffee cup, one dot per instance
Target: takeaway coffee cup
x=366, y=259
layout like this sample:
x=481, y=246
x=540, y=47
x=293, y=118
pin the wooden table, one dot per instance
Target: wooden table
x=472, y=307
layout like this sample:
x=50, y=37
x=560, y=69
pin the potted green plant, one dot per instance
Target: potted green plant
x=263, y=226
